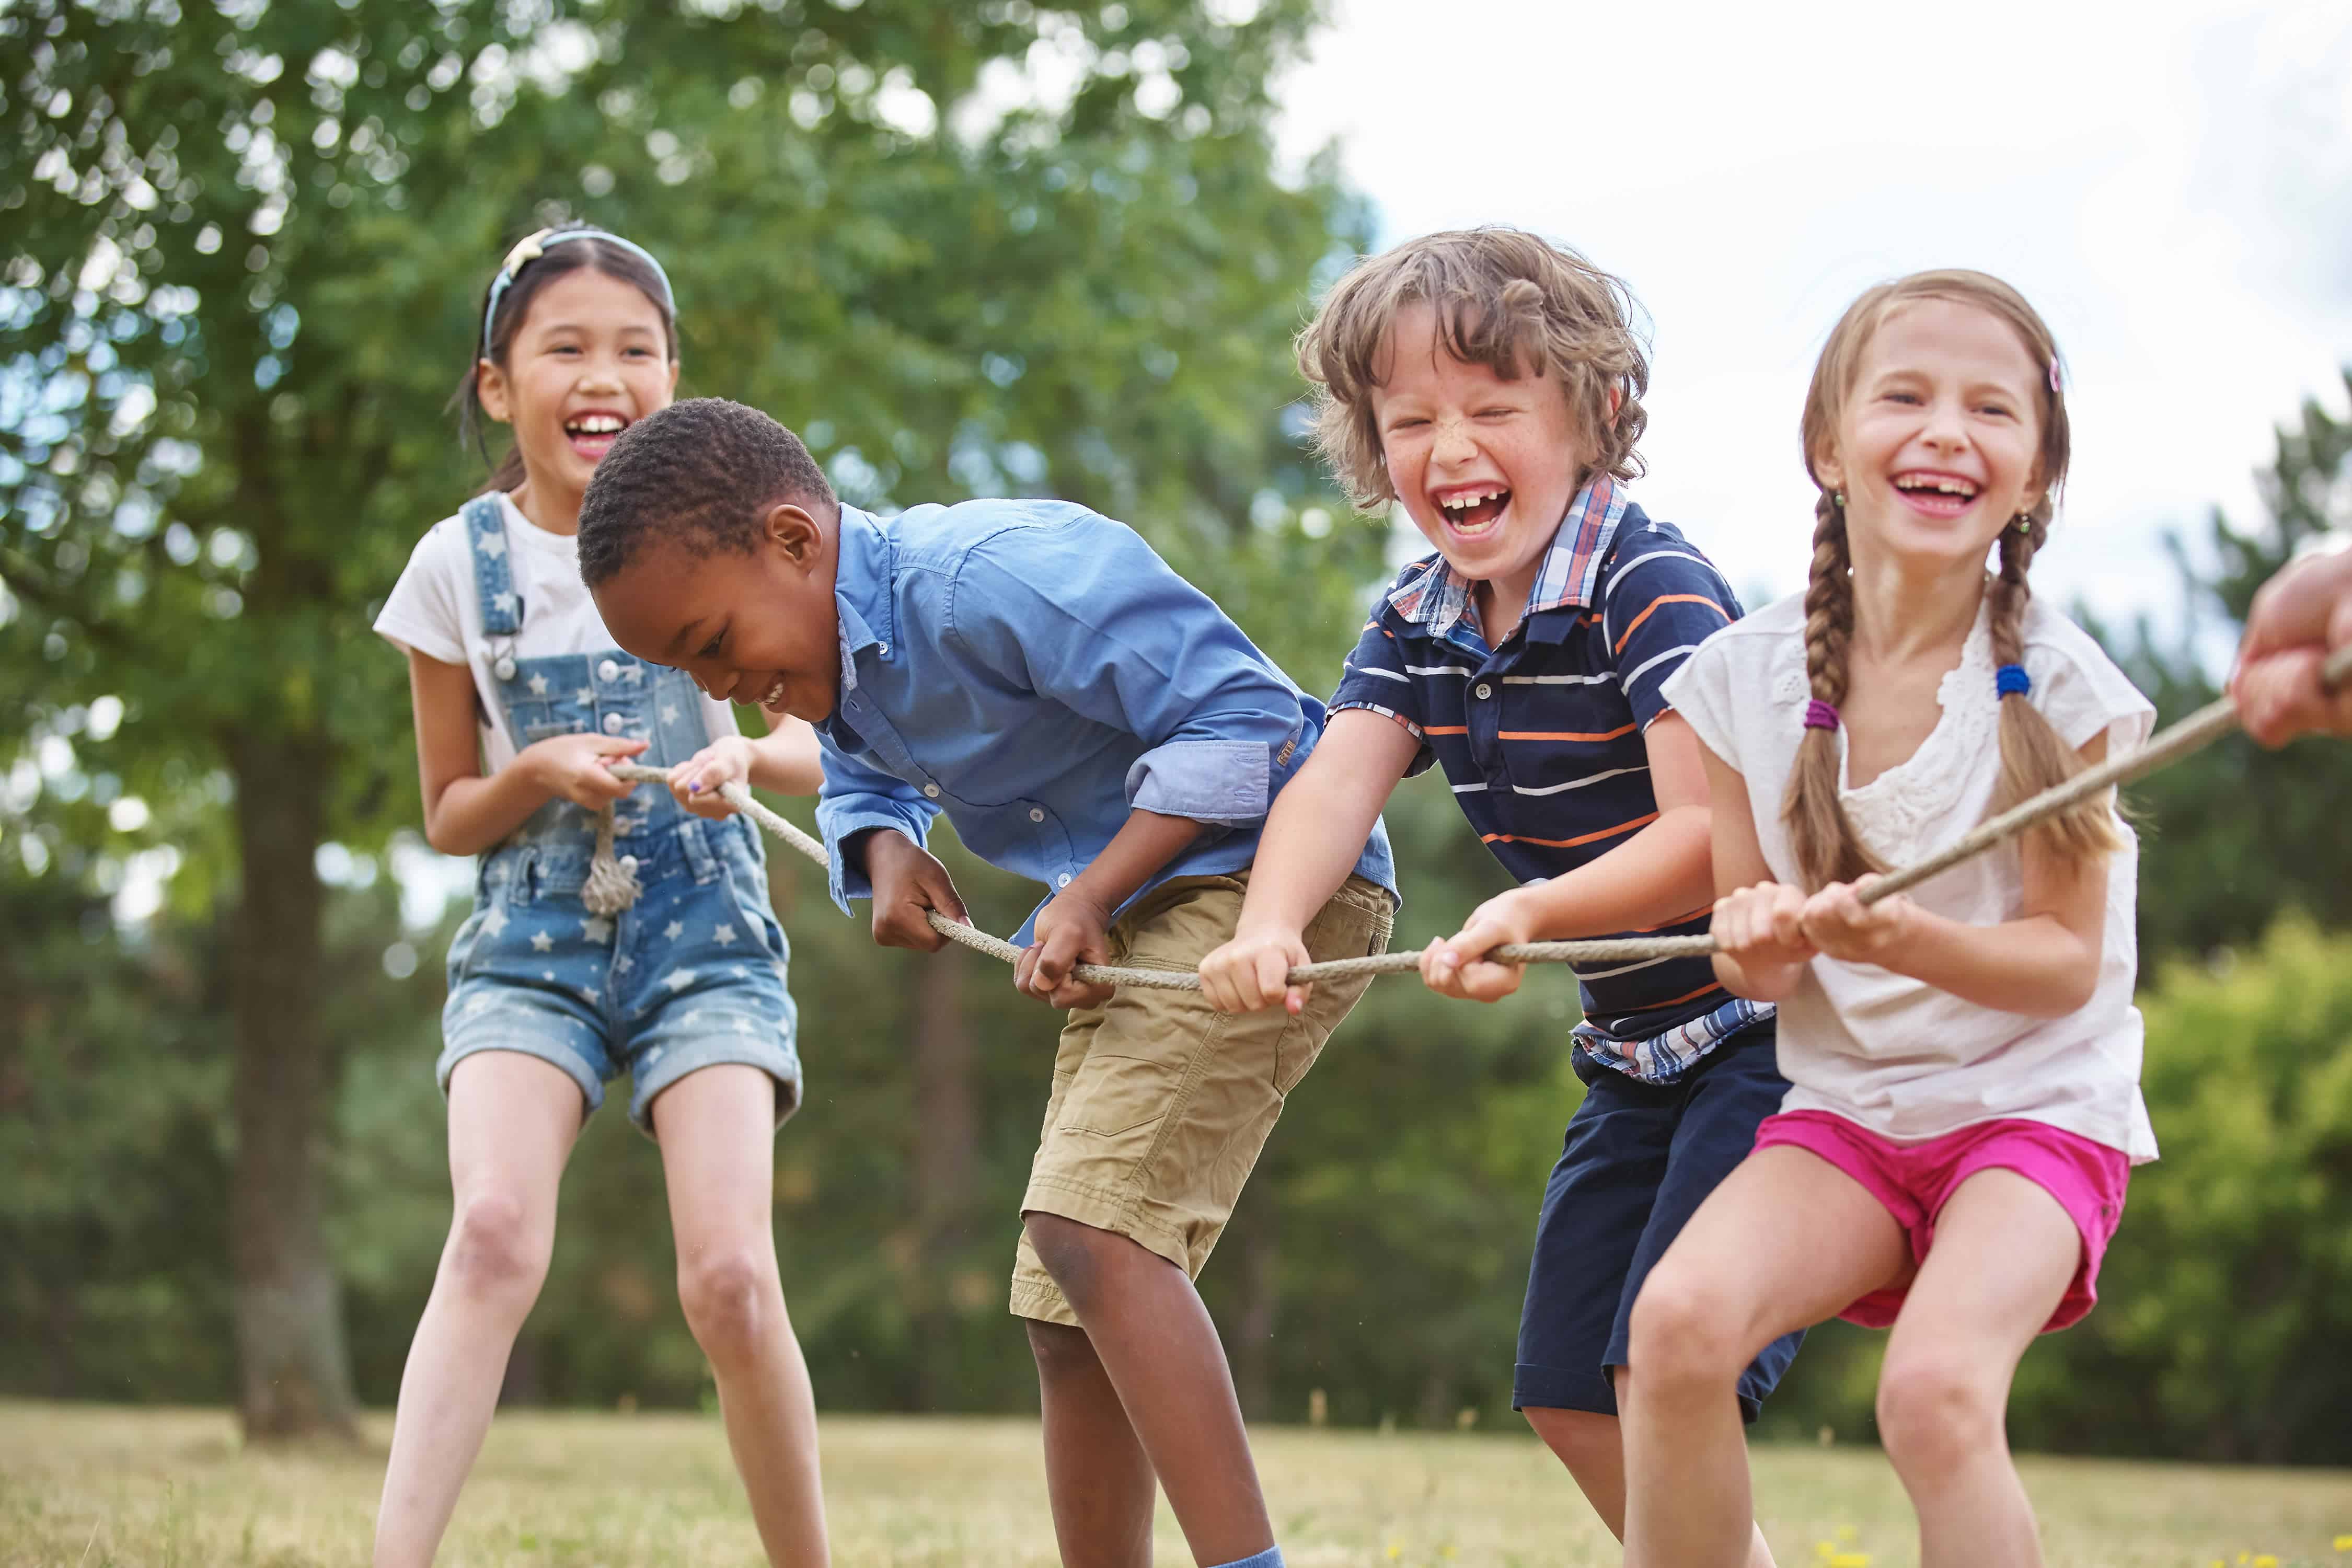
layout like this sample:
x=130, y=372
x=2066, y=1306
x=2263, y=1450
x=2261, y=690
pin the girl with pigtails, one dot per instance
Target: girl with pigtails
x=1964, y=1062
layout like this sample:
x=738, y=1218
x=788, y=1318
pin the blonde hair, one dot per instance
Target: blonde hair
x=1503, y=299
x=2032, y=755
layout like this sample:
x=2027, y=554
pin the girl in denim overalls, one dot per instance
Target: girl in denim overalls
x=666, y=964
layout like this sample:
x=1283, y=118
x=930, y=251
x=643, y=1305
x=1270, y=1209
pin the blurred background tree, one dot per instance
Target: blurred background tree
x=967, y=249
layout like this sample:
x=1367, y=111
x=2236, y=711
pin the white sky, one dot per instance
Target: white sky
x=2171, y=184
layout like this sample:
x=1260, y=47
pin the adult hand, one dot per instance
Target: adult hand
x=1251, y=971
x=1072, y=929
x=1459, y=967
x=574, y=766
x=909, y=883
x=2299, y=617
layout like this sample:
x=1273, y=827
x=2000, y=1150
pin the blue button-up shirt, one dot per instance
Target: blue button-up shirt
x=1033, y=669
x=1541, y=737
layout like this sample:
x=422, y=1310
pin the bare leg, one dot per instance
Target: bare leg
x=717, y=1133
x=1786, y=1241
x=512, y=1122
x=1096, y=1473
x=2003, y=1255
x=1158, y=1347
x=1592, y=1445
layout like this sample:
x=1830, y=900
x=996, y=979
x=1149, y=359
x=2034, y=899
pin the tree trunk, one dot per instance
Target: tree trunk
x=947, y=1157
x=294, y=1377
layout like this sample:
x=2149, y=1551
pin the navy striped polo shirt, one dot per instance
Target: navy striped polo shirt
x=1541, y=738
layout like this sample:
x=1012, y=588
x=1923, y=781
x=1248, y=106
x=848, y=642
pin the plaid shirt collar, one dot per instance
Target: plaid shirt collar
x=1437, y=599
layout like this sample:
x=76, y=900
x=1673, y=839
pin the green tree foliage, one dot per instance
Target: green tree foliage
x=245, y=245
x=2235, y=834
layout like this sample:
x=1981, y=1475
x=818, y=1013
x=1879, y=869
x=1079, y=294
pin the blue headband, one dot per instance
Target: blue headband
x=534, y=247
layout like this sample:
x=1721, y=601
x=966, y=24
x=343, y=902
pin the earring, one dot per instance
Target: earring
x=2024, y=522
x=1837, y=499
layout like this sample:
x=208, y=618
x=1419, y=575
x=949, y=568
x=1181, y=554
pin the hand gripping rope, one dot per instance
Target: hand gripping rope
x=2200, y=730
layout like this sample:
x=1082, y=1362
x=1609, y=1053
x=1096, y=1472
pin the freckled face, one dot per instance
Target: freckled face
x=1486, y=466
x=757, y=626
x=1938, y=448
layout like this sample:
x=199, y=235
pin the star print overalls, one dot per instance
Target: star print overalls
x=690, y=975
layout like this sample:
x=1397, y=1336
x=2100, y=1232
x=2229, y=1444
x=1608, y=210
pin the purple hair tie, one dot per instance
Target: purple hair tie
x=1820, y=715
x=2010, y=680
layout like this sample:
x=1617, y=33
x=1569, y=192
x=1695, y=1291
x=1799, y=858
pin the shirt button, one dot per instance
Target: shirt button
x=884, y=650
x=608, y=670
x=1483, y=692
x=932, y=791
x=1063, y=880
x=612, y=724
x=1035, y=815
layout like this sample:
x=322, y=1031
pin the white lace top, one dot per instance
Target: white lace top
x=1891, y=1053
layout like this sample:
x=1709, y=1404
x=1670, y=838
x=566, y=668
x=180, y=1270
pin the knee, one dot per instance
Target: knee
x=495, y=1248
x=732, y=1298
x=1583, y=1440
x=1076, y=1255
x=1064, y=1355
x=1934, y=1409
x=1685, y=1335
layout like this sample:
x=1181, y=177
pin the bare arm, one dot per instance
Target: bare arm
x=785, y=761
x=465, y=814
x=1658, y=877
x=1073, y=928
x=1760, y=949
x=2043, y=963
x=1313, y=838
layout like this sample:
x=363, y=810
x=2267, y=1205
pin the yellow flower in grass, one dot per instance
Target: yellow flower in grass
x=1851, y=1560
x=2344, y=1543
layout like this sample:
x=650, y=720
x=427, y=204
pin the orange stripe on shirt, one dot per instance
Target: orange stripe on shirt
x=1669, y=599
x=1691, y=996
x=1559, y=735
x=1568, y=843
x=1445, y=728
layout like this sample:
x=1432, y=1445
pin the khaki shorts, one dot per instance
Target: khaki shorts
x=1162, y=1103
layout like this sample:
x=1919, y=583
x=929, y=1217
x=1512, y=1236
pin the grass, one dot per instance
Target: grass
x=87, y=1487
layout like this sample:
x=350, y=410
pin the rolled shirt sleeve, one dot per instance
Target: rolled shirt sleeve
x=856, y=798
x=1112, y=633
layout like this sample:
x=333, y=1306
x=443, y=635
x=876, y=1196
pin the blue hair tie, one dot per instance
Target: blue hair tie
x=2012, y=680
x=532, y=247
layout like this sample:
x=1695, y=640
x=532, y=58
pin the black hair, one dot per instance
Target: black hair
x=514, y=306
x=700, y=474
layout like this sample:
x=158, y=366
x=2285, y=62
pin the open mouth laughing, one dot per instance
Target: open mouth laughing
x=1936, y=494
x=590, y=432
x=1473, y=509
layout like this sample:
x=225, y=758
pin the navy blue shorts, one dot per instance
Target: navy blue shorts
x=1638, y=1160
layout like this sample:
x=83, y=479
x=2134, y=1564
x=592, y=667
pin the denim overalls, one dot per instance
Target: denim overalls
x=692, y=973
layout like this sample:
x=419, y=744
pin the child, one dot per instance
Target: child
x=1952, y=1158
x=1085, y=717
x=1490, y=383
x=2299, y=617
x=521, y=700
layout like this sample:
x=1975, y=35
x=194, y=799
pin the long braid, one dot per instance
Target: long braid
x=1828, y=849
x=2034, y=755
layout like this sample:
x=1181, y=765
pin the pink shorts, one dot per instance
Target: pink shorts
x=1913, y=1181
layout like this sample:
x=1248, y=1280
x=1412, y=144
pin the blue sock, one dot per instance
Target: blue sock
x=1269, y=1558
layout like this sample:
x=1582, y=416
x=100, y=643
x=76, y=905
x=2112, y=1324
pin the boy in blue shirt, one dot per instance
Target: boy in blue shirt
x=1490, y=383
x=1085, y=717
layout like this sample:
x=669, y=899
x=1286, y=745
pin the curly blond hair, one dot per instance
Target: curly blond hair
x=1505, y=299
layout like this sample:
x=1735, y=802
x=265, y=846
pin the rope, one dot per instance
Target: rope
x=2200, y=730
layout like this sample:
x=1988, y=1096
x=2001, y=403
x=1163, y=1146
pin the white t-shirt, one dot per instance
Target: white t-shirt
x=1894, y=1054
x=435, y=610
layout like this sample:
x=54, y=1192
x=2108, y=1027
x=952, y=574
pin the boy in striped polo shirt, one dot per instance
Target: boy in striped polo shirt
x=1490, y=383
